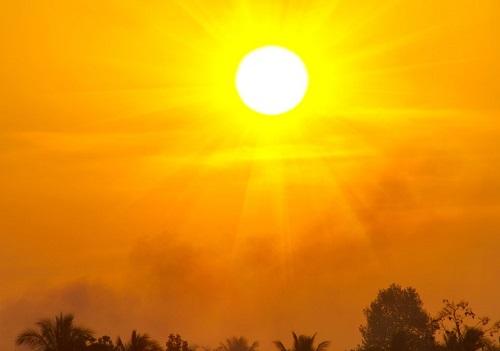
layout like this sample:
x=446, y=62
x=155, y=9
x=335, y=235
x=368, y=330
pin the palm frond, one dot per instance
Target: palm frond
x=280, y=345
x=32, y=338
x=59, y=333
x=322, y=346
x=254, y=346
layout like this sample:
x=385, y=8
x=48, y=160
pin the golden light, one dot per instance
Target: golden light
x=272, y=80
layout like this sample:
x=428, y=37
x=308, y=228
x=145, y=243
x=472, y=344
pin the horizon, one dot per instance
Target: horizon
x=471, y=320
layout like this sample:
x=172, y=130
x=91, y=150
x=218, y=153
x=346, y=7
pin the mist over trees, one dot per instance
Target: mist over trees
x=395, y=321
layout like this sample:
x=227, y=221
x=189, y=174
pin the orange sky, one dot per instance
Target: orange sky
x=138, y=192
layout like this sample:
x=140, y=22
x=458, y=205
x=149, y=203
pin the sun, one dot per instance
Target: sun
x=272, y=80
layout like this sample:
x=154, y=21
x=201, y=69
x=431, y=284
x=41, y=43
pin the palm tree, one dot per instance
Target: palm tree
x=238, y=344
x=59, y=334
x=303, y=343
x=138, y=342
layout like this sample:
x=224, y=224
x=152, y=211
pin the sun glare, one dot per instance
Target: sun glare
x=271, y=80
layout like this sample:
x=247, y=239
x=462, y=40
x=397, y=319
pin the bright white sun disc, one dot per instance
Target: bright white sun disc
x=272, y=80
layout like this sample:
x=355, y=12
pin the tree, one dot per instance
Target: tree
x=138, y=342
x=396, y=320
x=104, y=343
x=303, y=343
x=238, y=344
x=58, y=334
x=462, y=330
x=176, y=343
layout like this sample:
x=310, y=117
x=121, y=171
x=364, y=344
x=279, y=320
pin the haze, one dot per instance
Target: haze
x=133, y=195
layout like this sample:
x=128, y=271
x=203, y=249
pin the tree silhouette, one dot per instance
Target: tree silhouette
x=238, y=344
x=58, y=334
x=138, y=342
x=104, y=343
x=463, y=330
x=303, y=343
x=176, y=343
x=400, y=342
x=396, y=320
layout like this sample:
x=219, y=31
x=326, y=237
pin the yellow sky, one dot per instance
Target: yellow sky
x=139, y=192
